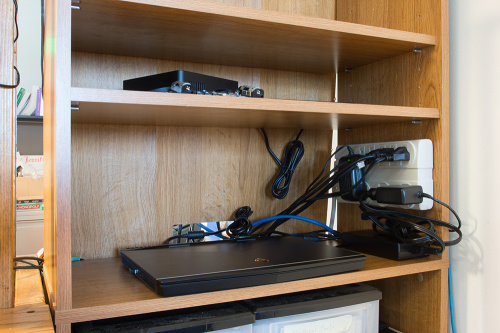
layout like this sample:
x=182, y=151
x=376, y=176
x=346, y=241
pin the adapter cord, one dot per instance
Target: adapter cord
x=293, y=154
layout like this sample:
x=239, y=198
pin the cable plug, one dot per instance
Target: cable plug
x=391, y=154
x=194, y=235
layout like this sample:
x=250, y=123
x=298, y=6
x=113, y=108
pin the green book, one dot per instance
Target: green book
x=20, y=95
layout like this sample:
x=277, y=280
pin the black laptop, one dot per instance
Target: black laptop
x=173, y=270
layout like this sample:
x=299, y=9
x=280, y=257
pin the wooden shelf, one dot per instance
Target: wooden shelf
x=30, y=119
x=153, y=108
x=104, y=288
x=210, y=32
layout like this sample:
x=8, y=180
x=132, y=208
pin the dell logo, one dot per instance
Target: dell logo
x=261, y=260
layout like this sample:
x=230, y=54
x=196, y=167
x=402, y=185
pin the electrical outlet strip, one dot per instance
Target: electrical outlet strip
x=416, y=171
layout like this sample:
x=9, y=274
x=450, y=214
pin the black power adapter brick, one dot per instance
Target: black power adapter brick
x=380, y=245
x=398, y=195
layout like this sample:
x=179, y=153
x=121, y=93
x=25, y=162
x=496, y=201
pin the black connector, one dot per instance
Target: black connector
x=391, y=154
x=195, y=235
x=398, y=195
x=355, y=175
x=401, y=154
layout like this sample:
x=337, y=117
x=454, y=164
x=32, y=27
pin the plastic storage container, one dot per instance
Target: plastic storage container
x=350, y=309
x=221, y=318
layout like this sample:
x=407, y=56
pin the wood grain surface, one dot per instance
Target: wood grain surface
x=26, y=319
x=426, y=296
x=57, y=153
x=129, y=178
x=98, y=288
x=233, y=35
x=313, y=8
x=149, y=108
x=132, y=183
x=425, y=84
x=7, y=155
x=28, y=288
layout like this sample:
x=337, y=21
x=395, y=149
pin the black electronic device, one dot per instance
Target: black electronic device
x=352, y=177
x=247, y=91
x=380, y=244
x=172, y=270
x=197, y=83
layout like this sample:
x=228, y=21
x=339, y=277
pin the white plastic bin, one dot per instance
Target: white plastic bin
x=347, y=309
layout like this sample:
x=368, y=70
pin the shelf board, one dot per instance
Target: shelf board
x=100, y=106
x=30, y=119
x=216, y=33
x=103, y=288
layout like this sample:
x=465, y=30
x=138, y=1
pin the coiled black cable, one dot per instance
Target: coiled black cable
x=293, y=154
x=241, y=225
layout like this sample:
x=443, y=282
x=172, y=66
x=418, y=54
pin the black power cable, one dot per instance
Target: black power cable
x=410, y=228
x=293, y=154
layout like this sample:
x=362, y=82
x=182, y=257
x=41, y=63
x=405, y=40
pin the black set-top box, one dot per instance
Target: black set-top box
x=163, y=82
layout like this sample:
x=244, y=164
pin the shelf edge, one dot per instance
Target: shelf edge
x=165, y=304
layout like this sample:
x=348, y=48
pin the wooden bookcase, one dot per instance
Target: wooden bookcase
x=122, y=167
x=7, y=155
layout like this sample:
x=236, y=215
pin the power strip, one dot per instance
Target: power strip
x=416, y=171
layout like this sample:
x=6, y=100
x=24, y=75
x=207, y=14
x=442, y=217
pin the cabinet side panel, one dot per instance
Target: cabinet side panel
x=57, y=151
x=132, y=183
x=413, y=303
x=7, y=144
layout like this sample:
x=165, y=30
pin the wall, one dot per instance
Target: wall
x=474, y=182
x=29, y=134
x=29, y=44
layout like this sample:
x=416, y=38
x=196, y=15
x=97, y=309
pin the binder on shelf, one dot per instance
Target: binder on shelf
x=39, y=103
x=20, y=96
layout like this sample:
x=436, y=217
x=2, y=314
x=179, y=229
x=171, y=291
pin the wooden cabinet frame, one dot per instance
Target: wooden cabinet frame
x=127, y=165
x=7, y=155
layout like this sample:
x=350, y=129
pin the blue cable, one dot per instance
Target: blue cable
x=450, y=288
x=277, y=217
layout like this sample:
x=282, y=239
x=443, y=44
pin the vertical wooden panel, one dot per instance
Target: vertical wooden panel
x=414, y=79
x=7, y=156
x=315, y=8
x=113, y=172
x=132, y=183
x=57, y=152
x=246, y=3
x=412, y=304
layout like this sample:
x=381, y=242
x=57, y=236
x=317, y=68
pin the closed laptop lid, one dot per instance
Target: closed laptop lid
x=228, y=259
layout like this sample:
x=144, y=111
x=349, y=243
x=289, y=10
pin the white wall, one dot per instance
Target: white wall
x=474, y=161
x=29, y=43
